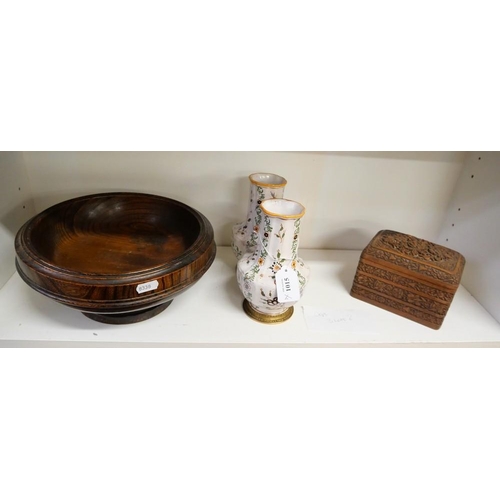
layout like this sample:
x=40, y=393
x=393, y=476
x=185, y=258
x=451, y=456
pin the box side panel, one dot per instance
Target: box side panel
x=396, y=307
x=401, y=294
x=415, y=269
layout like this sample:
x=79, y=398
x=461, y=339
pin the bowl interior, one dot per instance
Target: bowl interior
x=114, y=234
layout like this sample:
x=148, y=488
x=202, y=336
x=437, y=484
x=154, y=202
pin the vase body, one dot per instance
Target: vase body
x=276, y=247
x=262, y=187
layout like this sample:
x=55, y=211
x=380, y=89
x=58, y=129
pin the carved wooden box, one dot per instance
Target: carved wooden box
x=408, y=276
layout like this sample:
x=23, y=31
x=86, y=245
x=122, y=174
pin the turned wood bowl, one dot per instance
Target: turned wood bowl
x=116, y=257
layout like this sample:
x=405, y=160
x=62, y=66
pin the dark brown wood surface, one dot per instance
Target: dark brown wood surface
x=408, y=276
x=92, y=252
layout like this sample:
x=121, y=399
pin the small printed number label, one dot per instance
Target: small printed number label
x=146, y=287
x=288, y=286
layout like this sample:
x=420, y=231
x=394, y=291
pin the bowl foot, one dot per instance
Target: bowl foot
x=128, y=318
x=269, y=319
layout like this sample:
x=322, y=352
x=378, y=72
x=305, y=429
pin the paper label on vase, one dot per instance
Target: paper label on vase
x=287, y=283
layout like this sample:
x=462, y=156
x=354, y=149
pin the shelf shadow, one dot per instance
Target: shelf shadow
x=64, y=315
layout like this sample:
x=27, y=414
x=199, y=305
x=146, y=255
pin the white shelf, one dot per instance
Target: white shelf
x=210, y=314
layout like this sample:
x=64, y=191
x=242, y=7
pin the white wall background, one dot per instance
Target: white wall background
x=16, y=207
x=472, y=226
x=348, y=196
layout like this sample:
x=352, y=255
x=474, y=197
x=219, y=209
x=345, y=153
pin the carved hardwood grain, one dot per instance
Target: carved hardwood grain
x=92, y=252
x=408, y=276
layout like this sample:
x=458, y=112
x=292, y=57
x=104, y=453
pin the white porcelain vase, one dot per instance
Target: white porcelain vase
x=276, y=249
x=262, y=187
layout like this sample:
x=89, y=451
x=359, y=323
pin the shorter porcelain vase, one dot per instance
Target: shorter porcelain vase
x=276, y=249
x=262, y=187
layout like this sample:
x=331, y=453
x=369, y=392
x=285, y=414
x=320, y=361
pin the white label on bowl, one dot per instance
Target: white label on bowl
x=146, y=287
x=288, y=286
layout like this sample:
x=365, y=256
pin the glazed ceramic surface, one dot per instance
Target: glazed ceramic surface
x=276, y=247
x=262, y=187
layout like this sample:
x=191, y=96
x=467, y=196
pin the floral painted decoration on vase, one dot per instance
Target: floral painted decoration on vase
x=262, y=187
x=276, y=249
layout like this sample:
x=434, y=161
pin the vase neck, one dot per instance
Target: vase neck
x=258, y=194
x=279, y=238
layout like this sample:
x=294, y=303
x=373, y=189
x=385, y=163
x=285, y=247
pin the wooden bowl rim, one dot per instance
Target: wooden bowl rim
x=22, y=245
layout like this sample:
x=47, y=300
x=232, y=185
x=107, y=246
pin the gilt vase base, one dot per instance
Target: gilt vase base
x=269, y=319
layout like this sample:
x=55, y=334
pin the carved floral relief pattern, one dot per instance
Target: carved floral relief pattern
x=397, y=306
x=418, y=249
x=401, y=294
x=409, y=276
x=406, y=282
x=417, y=267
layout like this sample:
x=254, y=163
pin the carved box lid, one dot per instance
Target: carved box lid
x=416, y=258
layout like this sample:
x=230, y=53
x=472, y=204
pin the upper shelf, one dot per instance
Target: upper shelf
x=210, y=314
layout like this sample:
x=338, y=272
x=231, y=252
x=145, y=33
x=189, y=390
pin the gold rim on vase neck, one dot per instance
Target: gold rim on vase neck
x=269, y=319
x=283, y=216
x=266, y=184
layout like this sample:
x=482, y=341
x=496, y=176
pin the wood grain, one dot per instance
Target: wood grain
x=91, y=253
x=408, y=276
